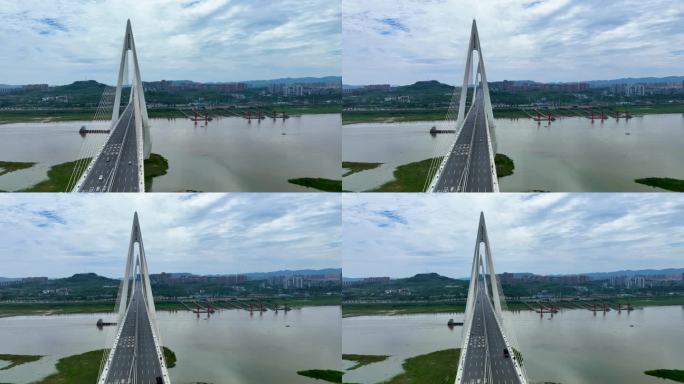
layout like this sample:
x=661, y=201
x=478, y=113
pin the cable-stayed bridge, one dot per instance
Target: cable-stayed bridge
x=487, y=354
x=469, y=166
x=118, y=165
x=136, y=355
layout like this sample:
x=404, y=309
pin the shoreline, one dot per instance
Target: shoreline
x=31, y=309
x=363, y=310
x=385, y=117
x=56, y=116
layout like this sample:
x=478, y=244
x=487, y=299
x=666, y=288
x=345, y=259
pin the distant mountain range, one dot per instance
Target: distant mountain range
x=593, y=275
x=250, y=83
x=593, y=83
x=251, y=275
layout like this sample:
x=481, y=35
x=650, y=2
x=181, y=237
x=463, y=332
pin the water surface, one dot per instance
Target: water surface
x=568, y=155
x=572, y=347
x=229, y=347
x=228, y=154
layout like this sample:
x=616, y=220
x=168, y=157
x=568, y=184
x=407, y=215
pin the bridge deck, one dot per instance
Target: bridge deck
x=116, y=168
x=485, y=348
x=468, y=167
x=135, y=357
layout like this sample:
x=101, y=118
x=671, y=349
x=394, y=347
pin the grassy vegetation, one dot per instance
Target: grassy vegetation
x=314, y=301
x=84, y=368
x=392, y=116
x=329, y=375
x=504, y=165
x=384, y=309
x=58, y=178
x=409, y=177
x=155, y=166
x=86, y=114
x=39, y=309
x=362, y=360
x=15, y=360
x=432, y=368
x=318, y=183
x=354, y=117
x=11, y=166
x=354, y=167
x=169, y=357
x=671, y=374
x=667, y=183
x=60, y=174
x=76, y=369
x=351, y=310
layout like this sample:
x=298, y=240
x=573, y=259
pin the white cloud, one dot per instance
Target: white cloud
x=208, y=40
x=61, y=234
x=548, y=40
x=545, y=233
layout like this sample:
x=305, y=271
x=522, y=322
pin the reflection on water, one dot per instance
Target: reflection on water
x=229, y=154
x=229, y=347
x=569, y=155
x=574, y=346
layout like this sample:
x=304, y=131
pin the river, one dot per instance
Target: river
x=570, y=154
x=229, y=347
x=226, y=155
x=572, y=347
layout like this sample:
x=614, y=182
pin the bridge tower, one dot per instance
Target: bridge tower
x=483, y=277
x=481, y=77
x=136, y=268
x=136, y=282
x=137, y=95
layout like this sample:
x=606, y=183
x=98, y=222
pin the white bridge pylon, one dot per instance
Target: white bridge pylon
x=480, y=78
x=479, y=81
x=129, y=58
x=137, y=95
x=136, y=275
x=483, y=269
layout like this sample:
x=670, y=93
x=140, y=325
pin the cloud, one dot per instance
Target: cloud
x=550, y=40
x=539, y=233
x=211, y=233
x=210, y=40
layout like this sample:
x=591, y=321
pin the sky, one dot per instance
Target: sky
x=404, y=41
x=61, y=41
x=57, y=235
x=400, y=235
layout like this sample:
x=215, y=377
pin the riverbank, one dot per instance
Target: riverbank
x=396, y=116
x=668, y=374
x=353, y=167
x=411, y=177
x=362, y=360
x=15, y=360
x=670, y=184
x=329, y=375
x=11, y=166
x=434, y=367
x=394, y=309
x=59, y=175
x=47, y=309
x=321, y=184
x=46, y=116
